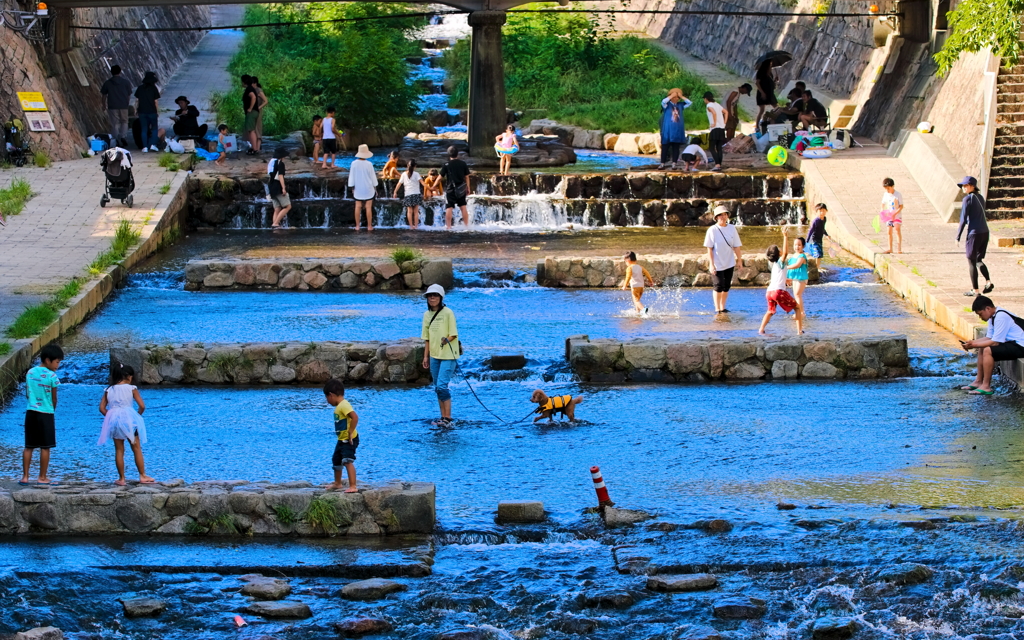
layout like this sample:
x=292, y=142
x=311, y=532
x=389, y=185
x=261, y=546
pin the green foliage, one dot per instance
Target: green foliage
x=225, y=522
x=405, y=254
x=5, y=348
x=34, y=320
x=284, y=514
x=976, y=24
x=126, y=236
x=41, y=159
x=209, y=190
x=65, y=293
x=358, y=67
x=165, y=187
x=194, y=528
x=223, y=363
x=167, y=159
x=580, y=74
x=321, y=513
x=14, y=197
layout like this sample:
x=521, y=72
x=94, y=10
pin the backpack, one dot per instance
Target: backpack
x=841, y=139
x=1018, y=321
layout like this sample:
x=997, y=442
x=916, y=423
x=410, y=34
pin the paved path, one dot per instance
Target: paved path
x=63, y=228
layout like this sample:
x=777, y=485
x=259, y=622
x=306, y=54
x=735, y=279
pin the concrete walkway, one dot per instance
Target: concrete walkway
x=63, y=227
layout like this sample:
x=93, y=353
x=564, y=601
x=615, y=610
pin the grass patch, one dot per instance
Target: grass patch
x=284, y=514
x=5, y=348
x=915, y=271
x=126, y=236
x=405, y=254
x=322, y=514
x=34, y=320
x=931, y=284
x=578, y=72
x=195, y=529
x=14, y=197
x=223, y=363
x=225, y=522
x=305, y=68
x=41, y=159
x=167, y=159
x=165, y=187
x=209, y=190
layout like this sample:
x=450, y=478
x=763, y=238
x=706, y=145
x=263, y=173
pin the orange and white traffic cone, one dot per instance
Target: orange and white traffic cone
x=602, y=491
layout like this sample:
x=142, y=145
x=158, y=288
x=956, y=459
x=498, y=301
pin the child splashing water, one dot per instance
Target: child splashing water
x=636, y=278
x=122, y=422
x=797, y=271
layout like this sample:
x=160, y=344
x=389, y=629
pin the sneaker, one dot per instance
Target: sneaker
x=988, y=288
x=145, y=149
x=971, y=294
x=153, y=148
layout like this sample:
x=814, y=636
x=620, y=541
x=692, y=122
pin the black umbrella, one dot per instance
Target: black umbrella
x=778, y=58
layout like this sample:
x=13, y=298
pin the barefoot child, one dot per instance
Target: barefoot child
x=776, y=294
x=330, y=139
x=41, y=388
x=122, y=422
x=345, y=422
x=506, y=145
x=390, y=170
x=816, y=236
x=796, y=270
x=221, y=149
x=892, y=213
x=318, y=136
x=432, y=185
x=636, y=278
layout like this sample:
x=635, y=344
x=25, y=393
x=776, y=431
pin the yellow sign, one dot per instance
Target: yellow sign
x=31, y=101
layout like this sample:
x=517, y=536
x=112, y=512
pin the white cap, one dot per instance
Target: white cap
x=435, y=288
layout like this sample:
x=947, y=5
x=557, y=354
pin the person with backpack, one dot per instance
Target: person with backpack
x=441, y=349
x=276, y=189
x=972, y=217
x=1004, y=340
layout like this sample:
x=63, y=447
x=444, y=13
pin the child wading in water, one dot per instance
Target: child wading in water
x=390, y=170
x=432, y=185
x=797, y=271
x=122, y=422
x=636, y=278
x=221, y=149
x=816, y=236
x=345, y=422
x=506, y=145
x=41, y=390
x=776, y=294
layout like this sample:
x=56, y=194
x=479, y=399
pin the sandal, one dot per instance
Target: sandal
x=969, y=387
x=981, y=392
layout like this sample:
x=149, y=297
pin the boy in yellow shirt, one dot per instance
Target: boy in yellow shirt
x=345, y=421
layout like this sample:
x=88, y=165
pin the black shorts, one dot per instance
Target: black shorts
x=344, y=453
x=39, y=430
x=455, y=198
x=1007, y=351
x=688, y=157
x=977, y=245
x=330, y=145
x=722, y=279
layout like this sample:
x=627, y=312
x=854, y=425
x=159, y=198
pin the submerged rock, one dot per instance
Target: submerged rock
x=372, y=589
x=994, y=589
x=682, y=582
x=574, y=625
x=623, y=517
x=143, y=607
x=40, y=633
x=356, y=627
x=263, y=588
x=829, y=628
x=740, y=608
x=699, y=632
x=609, y=600
x=906, y=573
x=466, y=633
x=280, y=609
x=715, y=526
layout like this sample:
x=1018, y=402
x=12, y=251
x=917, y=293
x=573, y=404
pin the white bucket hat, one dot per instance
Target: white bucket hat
x=434, y=288
x=720, y=209
x=364, y=152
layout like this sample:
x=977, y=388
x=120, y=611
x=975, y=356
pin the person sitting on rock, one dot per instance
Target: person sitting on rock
x=186, y=120
x=1004, y=340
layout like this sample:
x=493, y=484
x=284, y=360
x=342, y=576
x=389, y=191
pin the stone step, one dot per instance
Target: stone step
x=1016, y=204
x=1009, y=140
x=1005, y=171
x=1004, y=213
x=1005, y=182
x=1010, y=97
x=1009, y=130
x=1013, y=107
x=1008, y=150
x=1009, y=87
x=998, y=193
x=1009, y=119
x=1008, y=161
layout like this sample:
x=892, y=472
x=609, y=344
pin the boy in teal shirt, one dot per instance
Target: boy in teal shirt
x=41, y=388
x=345, y=421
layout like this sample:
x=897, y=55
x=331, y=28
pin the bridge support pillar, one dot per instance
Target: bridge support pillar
x=486, y=83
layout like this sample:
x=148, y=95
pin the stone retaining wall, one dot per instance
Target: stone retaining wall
x=669, y=270
x=317, y=275
x=613, y=361
x=214, y=508
x=276, y=362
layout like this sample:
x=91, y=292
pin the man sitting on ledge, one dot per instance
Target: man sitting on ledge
x=186, y=120
x=1004, y=340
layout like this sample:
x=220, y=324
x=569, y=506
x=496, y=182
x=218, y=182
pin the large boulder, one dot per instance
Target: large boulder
x=372, y=589
x=263, y=588
x=143, y=607
x=627, y=143
x=682, y=582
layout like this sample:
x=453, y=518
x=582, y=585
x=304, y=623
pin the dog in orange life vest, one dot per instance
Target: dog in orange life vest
x=548, y=407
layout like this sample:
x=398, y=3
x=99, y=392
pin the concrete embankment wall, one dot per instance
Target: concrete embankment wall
x=216, y=508
x=70, y=80
x=614, y=361
x=276, y=362
x=669, y=271
x=318, y=275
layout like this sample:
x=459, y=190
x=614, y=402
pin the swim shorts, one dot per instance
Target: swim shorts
x=1007, y=351
x=455, y=198
x=814, y=250
x=330, y=145
x=722, y=279
x=780, y=298
x=344, y=453
x=39, y=430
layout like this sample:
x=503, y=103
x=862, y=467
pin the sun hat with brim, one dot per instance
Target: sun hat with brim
x=182, y=98
x=675, y=92
x=434, y=288
x=971, y=180
x=280, y=152
x=722, y=209
x=364, y=152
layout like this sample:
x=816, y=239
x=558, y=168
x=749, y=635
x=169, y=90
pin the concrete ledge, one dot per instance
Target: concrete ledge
x=213, y=508
x=934, y=167
x=613, y=361
x=276, y=362
x=318, y=275
x=667, y=270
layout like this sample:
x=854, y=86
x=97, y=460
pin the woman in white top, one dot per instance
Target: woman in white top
x=362, y=180
x=717, y=116
x=413, y=184
x=690, y=155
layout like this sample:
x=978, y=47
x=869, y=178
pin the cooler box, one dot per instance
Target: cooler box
x=776, y=130
x=98, y=146
x=230, y=144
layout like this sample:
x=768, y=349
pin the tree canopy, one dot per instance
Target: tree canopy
x=976, y=24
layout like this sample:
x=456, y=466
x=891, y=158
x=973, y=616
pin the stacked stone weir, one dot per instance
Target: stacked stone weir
x=318, y=275
x=1006, y=178
x=668, y=271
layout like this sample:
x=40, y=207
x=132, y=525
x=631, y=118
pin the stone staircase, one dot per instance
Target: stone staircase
x=1005, y=197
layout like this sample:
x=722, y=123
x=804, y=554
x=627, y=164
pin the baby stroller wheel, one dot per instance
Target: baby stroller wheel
x=104, y=200
x=130, y=200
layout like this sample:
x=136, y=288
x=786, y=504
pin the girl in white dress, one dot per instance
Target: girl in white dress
x=122, y=422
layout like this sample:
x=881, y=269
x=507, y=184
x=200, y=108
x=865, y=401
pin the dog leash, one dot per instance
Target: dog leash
x=466, y=380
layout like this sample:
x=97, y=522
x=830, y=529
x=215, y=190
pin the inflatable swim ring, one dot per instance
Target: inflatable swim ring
x=817, y=152
x=506, y=151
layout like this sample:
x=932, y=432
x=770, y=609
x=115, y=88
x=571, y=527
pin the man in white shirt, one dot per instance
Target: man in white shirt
x=717, y=116
x=1004, y=340
x=362, y=180
x=724, y=252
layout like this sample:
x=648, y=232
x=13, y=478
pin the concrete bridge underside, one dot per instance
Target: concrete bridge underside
x=487, y=70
